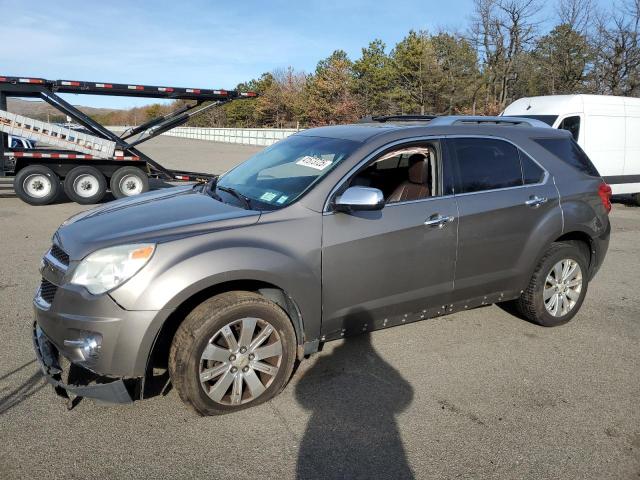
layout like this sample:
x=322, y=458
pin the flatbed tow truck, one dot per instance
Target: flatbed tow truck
x=89, y=162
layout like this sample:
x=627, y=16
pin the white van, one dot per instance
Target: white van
x=606, y=127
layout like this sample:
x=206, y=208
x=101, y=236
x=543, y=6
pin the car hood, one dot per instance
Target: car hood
x=157, y=216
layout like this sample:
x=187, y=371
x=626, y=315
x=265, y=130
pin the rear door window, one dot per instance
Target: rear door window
x=485, y=164
x=568, y=150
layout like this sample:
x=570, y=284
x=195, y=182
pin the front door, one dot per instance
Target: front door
x=395, y=265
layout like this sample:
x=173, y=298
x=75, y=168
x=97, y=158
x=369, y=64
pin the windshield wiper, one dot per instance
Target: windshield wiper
x=236, y=194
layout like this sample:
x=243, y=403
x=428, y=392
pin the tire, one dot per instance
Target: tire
x=128, y=181
x=37, y=185
x=636, y=198
x=532, y=304
x=85, y=185
x=208, y=371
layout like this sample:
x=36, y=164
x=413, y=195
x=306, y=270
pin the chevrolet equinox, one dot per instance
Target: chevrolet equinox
x=331, y=232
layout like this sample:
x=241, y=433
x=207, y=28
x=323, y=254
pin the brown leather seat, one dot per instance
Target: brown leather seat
x=416, y=186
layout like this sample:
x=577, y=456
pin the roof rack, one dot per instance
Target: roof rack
x=481, y=120
x=397, y=118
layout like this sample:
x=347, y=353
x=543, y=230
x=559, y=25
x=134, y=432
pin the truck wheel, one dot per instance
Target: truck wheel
x=233, y=351
x=128, y=181
x=37, y=185
x=85, y=185
x=557, y=288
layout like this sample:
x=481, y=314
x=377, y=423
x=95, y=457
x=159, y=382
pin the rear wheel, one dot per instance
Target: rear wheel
x=37, y=185
x=233, y=351
x=128, y=181
x=85, y=185
x=636, y=198
x=557, y=288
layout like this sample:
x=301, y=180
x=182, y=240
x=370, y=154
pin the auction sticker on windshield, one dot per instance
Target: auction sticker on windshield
x=314, y=162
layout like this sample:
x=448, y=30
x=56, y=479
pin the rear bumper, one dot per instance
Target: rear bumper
x=88, y=384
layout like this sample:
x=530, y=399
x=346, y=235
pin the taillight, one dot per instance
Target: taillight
x=604, y=191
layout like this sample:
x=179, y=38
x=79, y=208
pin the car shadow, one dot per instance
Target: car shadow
x=21, y=392
x=354, y=396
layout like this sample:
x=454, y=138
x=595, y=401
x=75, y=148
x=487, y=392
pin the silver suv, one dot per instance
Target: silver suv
x=332, y=232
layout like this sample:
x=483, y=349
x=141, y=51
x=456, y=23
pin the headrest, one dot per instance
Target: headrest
x=418, y=169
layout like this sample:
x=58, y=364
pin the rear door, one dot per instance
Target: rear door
x=505, y=200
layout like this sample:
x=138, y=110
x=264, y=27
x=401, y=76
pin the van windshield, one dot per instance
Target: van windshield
x=548, y=119
x=279, y=174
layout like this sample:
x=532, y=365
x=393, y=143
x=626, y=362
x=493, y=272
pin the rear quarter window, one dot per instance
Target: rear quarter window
x=567, y=149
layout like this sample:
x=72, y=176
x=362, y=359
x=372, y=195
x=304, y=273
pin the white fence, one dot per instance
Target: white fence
x=244, y=136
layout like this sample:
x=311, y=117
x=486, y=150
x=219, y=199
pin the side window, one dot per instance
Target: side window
x=571, y=124
x=531, y=171
x=405, y=174
x=486, y=164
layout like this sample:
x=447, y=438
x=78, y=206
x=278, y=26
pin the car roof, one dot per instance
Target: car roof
x=458, y=125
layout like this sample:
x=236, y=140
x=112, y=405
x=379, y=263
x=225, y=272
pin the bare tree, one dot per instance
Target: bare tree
x=577, y=14
x=617, y=50
x=502, y=31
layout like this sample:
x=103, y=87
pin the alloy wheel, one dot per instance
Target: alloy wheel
x=240, y=361
x=562, y=287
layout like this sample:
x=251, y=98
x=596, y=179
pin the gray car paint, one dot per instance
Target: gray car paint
x=328, y=264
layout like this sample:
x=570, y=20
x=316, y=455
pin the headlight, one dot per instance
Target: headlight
x=105, y=269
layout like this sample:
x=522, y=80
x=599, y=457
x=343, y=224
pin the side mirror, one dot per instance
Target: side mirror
x=359, y=198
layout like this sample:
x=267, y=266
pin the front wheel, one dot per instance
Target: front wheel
x=233, y=351
x=557, y=288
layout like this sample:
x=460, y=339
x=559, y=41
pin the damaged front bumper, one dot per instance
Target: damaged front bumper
x=69, y=378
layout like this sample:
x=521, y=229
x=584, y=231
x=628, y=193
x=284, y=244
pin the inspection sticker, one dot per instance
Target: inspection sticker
x=282, y=199
x=314, y=162
x=268, y=196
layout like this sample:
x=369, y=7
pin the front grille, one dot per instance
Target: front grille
x=59, y=254
x=47, y=291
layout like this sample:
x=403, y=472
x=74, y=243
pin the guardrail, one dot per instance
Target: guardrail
x=244, y=136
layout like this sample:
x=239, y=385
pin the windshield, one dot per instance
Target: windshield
x=548, y=119
x=279, y=174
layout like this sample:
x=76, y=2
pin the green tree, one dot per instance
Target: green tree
x=561, y=58
x=416, y=72
x=373, y=80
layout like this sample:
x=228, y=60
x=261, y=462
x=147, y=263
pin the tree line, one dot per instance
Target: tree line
x=503, y=54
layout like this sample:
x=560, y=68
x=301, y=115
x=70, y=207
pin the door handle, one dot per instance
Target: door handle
x=535, y=201
x=438, y=221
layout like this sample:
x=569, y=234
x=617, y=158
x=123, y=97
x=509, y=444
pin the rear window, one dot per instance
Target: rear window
x=568, y=150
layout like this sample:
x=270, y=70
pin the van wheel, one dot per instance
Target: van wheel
x=233, y=351
x=557, y=288
x=636, y=198
x=37, y=185
x=128, y=181
x=85, y=185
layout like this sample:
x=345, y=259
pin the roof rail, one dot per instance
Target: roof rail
x=480, y=120
x=397, y=118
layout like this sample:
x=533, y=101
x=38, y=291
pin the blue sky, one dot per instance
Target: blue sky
x=206, y=44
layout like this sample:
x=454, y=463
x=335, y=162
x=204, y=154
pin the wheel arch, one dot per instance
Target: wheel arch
x=159, y=353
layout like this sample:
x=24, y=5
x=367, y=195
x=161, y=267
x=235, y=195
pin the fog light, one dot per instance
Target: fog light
x=88, y=346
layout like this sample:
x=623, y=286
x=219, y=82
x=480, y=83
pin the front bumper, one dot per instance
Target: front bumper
x=85, y=383
x=125, y=338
